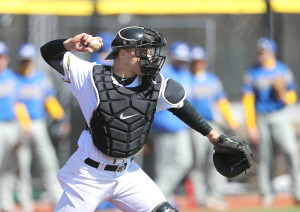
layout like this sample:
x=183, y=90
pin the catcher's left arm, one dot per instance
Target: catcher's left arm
x=231, y=157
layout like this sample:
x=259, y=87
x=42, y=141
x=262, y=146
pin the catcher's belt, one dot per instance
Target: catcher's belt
x=106, y=167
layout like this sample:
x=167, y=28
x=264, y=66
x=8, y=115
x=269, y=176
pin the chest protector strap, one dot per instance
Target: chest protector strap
x=122, y=121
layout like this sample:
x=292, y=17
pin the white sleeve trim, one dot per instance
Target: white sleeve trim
x=163, y=85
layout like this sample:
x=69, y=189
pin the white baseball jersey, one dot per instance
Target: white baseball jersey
x=86, y=187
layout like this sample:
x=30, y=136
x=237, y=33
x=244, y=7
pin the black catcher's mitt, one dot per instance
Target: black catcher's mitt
x=231, y=156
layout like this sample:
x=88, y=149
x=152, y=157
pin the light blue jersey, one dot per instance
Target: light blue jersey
x=259, y=81
x=9, y=92
x=207, y=90
x=165, y=120
x=35, y=88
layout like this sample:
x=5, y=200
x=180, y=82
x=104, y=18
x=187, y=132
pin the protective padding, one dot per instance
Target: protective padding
x=165, y=207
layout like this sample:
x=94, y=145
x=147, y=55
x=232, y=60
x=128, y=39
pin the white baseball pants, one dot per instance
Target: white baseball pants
x=86, y=187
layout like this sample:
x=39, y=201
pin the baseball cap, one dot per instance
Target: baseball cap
x=3, y=48
x=198, y=53
x=266, y=44
x=27, y=51
x=107, y=38
x=180, y=51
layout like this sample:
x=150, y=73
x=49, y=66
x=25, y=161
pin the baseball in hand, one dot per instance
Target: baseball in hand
x=94, y=44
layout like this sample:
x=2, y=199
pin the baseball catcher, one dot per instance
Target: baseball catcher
x=232, y=157
x=119, y=103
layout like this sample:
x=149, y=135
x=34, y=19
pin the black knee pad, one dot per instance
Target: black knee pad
x=165, y=207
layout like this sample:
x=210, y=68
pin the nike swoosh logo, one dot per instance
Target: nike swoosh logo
x=126, y=117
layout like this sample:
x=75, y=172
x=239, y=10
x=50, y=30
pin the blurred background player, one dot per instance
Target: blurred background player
x=171, y=138
x=11, y=110
x=268, y=89
x=99, y=56
x=208, y=96
x=38, y=94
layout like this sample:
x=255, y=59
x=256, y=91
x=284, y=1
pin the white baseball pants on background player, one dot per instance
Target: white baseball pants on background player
x=9, y=137
x=41, y=146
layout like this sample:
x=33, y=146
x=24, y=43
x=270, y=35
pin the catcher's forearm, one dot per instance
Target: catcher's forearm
x=189, y=115
x=53, y=53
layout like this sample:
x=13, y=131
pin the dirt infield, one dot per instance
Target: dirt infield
x=254, y=201
x=249, y=201
x=237, y=202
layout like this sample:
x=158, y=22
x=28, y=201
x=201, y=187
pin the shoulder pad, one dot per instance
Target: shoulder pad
x=174, y=92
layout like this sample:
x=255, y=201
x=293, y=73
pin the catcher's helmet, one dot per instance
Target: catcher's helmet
x=147, y=44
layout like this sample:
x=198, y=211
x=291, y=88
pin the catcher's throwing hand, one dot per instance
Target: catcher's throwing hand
x=80, y=43
x=231, y=157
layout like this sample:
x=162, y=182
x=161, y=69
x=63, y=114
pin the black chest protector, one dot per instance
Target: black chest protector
x=122, y=121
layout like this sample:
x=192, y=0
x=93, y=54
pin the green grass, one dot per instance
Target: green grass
x=288, y=209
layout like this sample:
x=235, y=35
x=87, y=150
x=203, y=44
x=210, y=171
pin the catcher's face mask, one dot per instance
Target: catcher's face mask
x=147, y=44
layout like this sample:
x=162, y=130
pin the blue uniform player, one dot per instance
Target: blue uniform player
x=208, y=95
x=169, y=132
x=38, y=94
x=268, y=89
x=11, y=111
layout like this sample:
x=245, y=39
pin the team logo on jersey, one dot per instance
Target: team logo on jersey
x=126, y=117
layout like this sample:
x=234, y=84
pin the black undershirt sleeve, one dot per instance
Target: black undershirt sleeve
x=189, y=115
x=53, y=53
